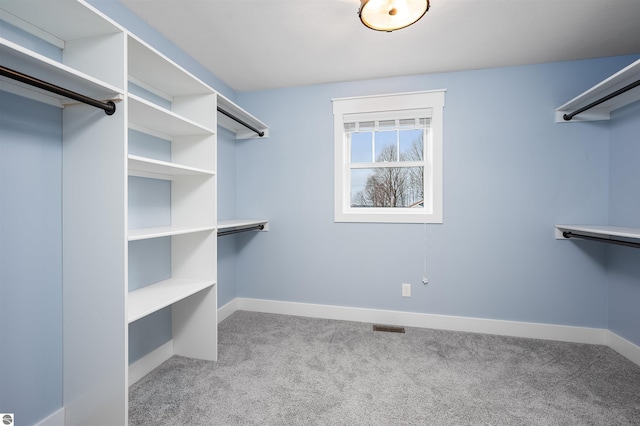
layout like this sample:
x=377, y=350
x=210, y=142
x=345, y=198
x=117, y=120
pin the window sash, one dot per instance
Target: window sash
x=427, y=146
x=394, y=164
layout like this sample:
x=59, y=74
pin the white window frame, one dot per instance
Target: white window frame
x=396, y=105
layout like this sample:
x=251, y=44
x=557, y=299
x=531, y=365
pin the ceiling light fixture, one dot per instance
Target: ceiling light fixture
x=391, y=15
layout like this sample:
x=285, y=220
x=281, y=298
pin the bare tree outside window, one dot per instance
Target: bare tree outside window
x=394, y=186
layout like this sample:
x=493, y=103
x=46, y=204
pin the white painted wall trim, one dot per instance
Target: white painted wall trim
x=54, y=419
x=623, y=347
x=147, y=363
x=227, y=310
x=441, y=322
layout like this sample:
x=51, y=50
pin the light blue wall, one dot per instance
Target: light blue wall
x=226, y=210
x=30, y=258
x=510, y=174
x=624, y=198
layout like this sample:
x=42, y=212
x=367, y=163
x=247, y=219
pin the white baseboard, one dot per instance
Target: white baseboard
x=441, y=322
x=623, y=347
x=54, y=419
x=147, y=363
x=563, y=333
x=227, y=310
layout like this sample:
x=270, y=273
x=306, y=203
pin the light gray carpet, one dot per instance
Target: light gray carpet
x=284, y=370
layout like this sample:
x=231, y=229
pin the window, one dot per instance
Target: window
x=388, y=158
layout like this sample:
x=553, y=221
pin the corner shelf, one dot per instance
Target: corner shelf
x=622, y=78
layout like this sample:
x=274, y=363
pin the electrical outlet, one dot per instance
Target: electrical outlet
x=406, y=290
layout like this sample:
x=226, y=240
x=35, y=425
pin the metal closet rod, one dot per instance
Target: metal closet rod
x=568, y=117
x=109, y=107
x=238, y=120
x=236, y=231
x=568, y=234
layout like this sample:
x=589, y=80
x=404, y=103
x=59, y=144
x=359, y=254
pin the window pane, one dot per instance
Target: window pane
x=385, y=146
x=387, y=187
x=411, y=145
x=361, y=147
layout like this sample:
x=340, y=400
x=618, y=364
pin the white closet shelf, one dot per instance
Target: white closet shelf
x=25, y=61
x=157, y=169
x=156, y=70
x=233, y=226
x=154, y=297
x=241, y=131
x=604, y=231
x=165, y=231
x=147, y=115
x=622, y=78
x=50, y=20
x=240, y=223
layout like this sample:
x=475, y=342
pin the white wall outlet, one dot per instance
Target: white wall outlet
x=406, y=290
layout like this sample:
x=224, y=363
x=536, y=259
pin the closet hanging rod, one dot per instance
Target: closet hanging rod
x=568, y=117
x=237, y=120
x=568, y=234
x=236, y=231
x=109, y=107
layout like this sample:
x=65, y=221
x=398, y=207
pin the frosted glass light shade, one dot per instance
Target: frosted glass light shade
x=390, y=15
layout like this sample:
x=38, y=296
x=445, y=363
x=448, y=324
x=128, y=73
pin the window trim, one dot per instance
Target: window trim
x=395, y=103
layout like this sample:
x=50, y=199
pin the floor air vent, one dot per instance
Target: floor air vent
x=388, y=328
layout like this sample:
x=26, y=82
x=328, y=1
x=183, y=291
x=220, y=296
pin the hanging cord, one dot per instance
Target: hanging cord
x=425, y=280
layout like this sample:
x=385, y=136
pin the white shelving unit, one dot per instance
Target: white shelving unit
x=88, y=53
x=241, y=132
x=622, y=78
x=90, y=60
x=187, y=120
